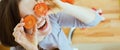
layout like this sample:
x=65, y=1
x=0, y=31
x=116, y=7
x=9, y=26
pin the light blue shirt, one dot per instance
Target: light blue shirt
x=57, y=38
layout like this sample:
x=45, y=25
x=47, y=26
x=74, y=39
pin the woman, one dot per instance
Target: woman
x=47, y=32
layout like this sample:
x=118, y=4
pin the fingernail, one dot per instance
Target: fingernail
x=21, y=20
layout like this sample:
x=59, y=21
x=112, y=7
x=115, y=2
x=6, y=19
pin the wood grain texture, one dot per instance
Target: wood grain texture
x=107, y=31
x=108, y=6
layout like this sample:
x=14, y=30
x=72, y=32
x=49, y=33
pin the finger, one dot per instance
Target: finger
x=22, y=30
x=16, y=34
x=13, y=34
x=18, y=37
x=34, y=30
x=21, y=20
x=18, y=26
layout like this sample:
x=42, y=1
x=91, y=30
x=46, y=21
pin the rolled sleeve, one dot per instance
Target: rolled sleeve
x=95, y=22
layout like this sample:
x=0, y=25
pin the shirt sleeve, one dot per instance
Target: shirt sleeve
x=66, y=20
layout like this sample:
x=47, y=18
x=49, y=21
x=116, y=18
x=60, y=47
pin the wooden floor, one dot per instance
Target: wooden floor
x=106, y=35
x=106, y=31
x=98, y=46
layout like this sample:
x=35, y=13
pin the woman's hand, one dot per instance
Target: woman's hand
x=54, y=6
x=26, y=40
x=52, y=3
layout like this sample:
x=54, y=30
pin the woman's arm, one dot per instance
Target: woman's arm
x=83, y=14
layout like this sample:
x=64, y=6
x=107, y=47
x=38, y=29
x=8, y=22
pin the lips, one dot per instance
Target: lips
x=44, y=26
